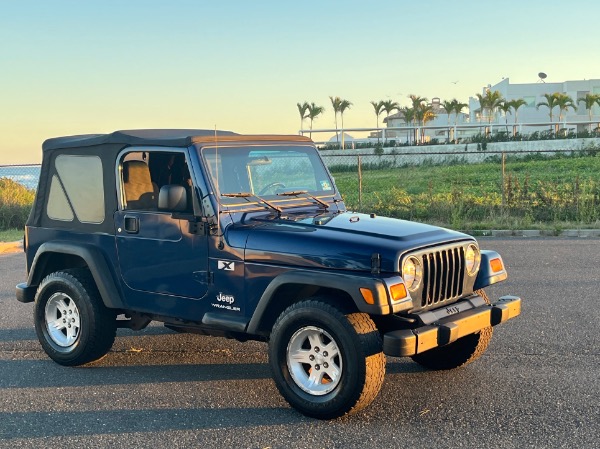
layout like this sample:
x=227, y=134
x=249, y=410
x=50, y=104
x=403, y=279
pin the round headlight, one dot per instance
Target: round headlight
x=472, y=259
x=412, y=273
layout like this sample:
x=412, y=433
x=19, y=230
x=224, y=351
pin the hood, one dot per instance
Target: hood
x=342, y=241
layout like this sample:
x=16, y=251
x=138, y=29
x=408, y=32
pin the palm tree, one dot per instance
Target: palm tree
x=590, y=100
x=389, y=106
x=490, y=102
x=345, y=104
x=378, y=107
x=550, y=103
x=409, y=116
x=449, y=108
x=505, y=107
x=458, y=107
x=416, y=101
x=336, y=102
x=313, y=112
x=515, y=105
x=416, y=105
x=564, y=102
x=428, y=115
x=424, y=113
x=302, y=109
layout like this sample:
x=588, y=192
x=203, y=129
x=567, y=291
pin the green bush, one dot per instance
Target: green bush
x=15, y=204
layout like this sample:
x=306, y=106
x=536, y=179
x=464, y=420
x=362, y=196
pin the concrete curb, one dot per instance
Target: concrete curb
x=583, y=233
x=11, y=247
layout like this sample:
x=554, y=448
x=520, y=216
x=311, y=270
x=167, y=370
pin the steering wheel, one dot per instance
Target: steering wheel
x=266, y=188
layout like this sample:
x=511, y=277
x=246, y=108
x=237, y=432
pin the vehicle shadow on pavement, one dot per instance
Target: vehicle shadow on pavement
x=402, y=366
x=44, y=424
x=45, y=373
x=10, y=335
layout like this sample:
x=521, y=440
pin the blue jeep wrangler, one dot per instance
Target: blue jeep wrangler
x=247, y=237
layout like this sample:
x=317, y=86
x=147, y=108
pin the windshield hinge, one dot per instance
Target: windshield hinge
x=376, y=263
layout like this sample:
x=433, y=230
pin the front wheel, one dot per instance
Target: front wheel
x=326, y=363
x=73, y=325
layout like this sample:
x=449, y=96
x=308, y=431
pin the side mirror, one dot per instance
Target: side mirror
x=172, y=198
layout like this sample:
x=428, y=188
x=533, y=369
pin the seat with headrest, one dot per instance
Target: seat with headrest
x=173, y=198
x=140, y=191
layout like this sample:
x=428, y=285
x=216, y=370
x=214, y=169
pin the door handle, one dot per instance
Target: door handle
x=132, y=224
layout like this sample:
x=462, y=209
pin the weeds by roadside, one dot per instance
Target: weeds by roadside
x=541, y=193
x=15, y=204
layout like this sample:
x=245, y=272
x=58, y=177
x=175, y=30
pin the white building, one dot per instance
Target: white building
x=530, y=117
x=533, y=94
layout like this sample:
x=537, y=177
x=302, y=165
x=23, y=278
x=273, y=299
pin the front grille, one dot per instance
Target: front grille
x=444, y=276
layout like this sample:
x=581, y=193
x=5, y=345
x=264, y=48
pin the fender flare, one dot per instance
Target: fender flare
x=487, y=276
x=350, y=284
x=94, y=259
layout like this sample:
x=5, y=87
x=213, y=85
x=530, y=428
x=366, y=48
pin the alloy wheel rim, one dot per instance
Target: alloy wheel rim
x=62, y=320
x=314, y=360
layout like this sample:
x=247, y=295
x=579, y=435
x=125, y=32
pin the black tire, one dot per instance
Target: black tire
x=85, y=329
x=350, y=377
x=459, y=353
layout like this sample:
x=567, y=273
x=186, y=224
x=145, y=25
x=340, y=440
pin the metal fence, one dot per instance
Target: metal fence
x=26, y=174
x=464, y=189
x=473, y=189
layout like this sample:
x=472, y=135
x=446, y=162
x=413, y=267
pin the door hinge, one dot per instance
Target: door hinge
x=198, y=228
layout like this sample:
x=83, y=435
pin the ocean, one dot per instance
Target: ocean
x=28, y=175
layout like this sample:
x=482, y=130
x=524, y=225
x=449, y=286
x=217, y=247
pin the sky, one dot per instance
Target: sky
x=74, y=67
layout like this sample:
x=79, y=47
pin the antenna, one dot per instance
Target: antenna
x=542, y=76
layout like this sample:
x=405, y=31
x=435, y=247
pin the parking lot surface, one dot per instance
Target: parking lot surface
x=537, y=386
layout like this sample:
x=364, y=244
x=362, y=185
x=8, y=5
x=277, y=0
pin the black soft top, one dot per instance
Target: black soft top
x=162, y=137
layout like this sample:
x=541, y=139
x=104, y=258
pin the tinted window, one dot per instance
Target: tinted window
x=58, y=206
x=78, y=189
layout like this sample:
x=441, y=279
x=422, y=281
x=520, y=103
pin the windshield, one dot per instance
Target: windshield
x=271, y=172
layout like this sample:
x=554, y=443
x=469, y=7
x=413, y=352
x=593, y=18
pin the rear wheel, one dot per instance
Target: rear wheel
x=72, y=324
x=326, y=363
x=459, y=353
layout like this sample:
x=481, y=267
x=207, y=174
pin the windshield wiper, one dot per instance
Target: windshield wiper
x=247, y=195
x=308, y=195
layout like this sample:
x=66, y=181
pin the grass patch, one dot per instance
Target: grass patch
x=557, y=193
x=15, y=204
x=11, y=235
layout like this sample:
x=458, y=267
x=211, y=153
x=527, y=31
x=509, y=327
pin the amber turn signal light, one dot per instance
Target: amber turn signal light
x=496, y=265
x=398, y=291
x=367, y=295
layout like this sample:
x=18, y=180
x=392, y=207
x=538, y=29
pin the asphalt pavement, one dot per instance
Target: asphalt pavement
x=537, y=386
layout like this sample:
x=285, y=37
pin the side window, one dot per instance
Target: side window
x=156, y=181
x=77, y=190
x=58, y=207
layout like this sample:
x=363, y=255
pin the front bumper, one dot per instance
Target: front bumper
x=442, y=331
